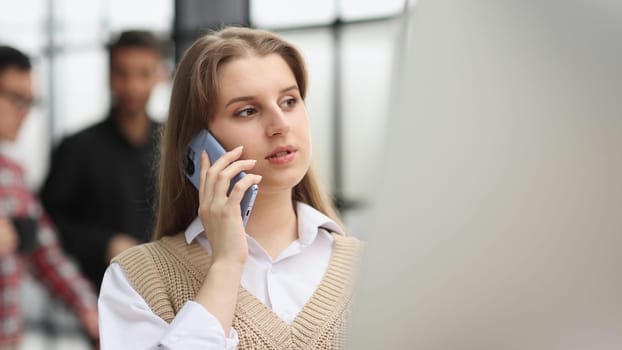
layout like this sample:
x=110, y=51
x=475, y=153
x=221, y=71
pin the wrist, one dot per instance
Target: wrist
x=219, y=291
x=226, y=267
x=229, y=260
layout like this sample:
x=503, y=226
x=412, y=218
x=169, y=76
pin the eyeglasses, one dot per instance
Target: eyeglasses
x=19, y=101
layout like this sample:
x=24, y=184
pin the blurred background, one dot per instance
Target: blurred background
x=475, y=145
x=496, y=219
x=350, y=47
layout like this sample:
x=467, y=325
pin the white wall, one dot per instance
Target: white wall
x=497, y=215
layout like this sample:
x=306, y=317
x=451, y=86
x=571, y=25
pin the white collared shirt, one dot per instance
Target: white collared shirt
x=284, y=284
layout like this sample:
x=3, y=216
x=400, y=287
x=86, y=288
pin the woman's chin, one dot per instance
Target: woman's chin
x=273, y=186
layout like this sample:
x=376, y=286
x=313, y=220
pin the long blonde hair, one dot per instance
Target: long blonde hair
x=192, y=103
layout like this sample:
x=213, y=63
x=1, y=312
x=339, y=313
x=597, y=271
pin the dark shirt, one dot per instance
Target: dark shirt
x=100, y=185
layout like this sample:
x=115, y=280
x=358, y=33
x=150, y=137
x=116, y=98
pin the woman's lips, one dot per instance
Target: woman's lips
x=282, y=157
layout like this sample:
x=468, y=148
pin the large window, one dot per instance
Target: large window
x=350, y=68
x=66, y=39
x=349, y=47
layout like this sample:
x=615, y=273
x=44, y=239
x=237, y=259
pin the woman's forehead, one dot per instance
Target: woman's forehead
x=254, y=74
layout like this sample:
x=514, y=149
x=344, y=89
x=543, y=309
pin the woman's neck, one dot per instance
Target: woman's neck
x=273, y=222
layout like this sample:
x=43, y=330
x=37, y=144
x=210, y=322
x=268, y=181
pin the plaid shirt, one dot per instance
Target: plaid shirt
x=47, y=262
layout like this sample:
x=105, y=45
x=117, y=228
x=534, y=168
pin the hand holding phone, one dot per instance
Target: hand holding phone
x=204, y=140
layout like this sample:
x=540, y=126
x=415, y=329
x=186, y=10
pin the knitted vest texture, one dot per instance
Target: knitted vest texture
x=169, y=272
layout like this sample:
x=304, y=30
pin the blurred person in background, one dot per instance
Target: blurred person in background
x=99, y=188
x=27, y=236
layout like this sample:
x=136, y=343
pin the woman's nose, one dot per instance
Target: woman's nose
x=278, y=122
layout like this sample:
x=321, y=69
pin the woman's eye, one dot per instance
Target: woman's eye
x=288, y=102
x=246, y=112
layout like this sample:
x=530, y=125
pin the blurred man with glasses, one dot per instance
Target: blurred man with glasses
x=27, y=237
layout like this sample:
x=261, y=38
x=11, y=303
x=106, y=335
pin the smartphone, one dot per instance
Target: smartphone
x=204, y=140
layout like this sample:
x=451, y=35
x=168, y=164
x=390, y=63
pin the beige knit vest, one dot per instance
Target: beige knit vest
x=169, y=272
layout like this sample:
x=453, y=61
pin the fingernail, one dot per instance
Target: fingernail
x=239, y=148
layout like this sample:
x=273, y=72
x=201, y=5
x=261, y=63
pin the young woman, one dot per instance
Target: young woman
x=207, y=282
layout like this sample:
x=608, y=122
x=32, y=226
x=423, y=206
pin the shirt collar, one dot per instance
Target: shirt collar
x=194, y=229
x=309, y=221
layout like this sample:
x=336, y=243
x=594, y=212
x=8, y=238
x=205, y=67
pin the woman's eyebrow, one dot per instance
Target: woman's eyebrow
x=248, y=98
x=238, y=99
x=293, y=87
